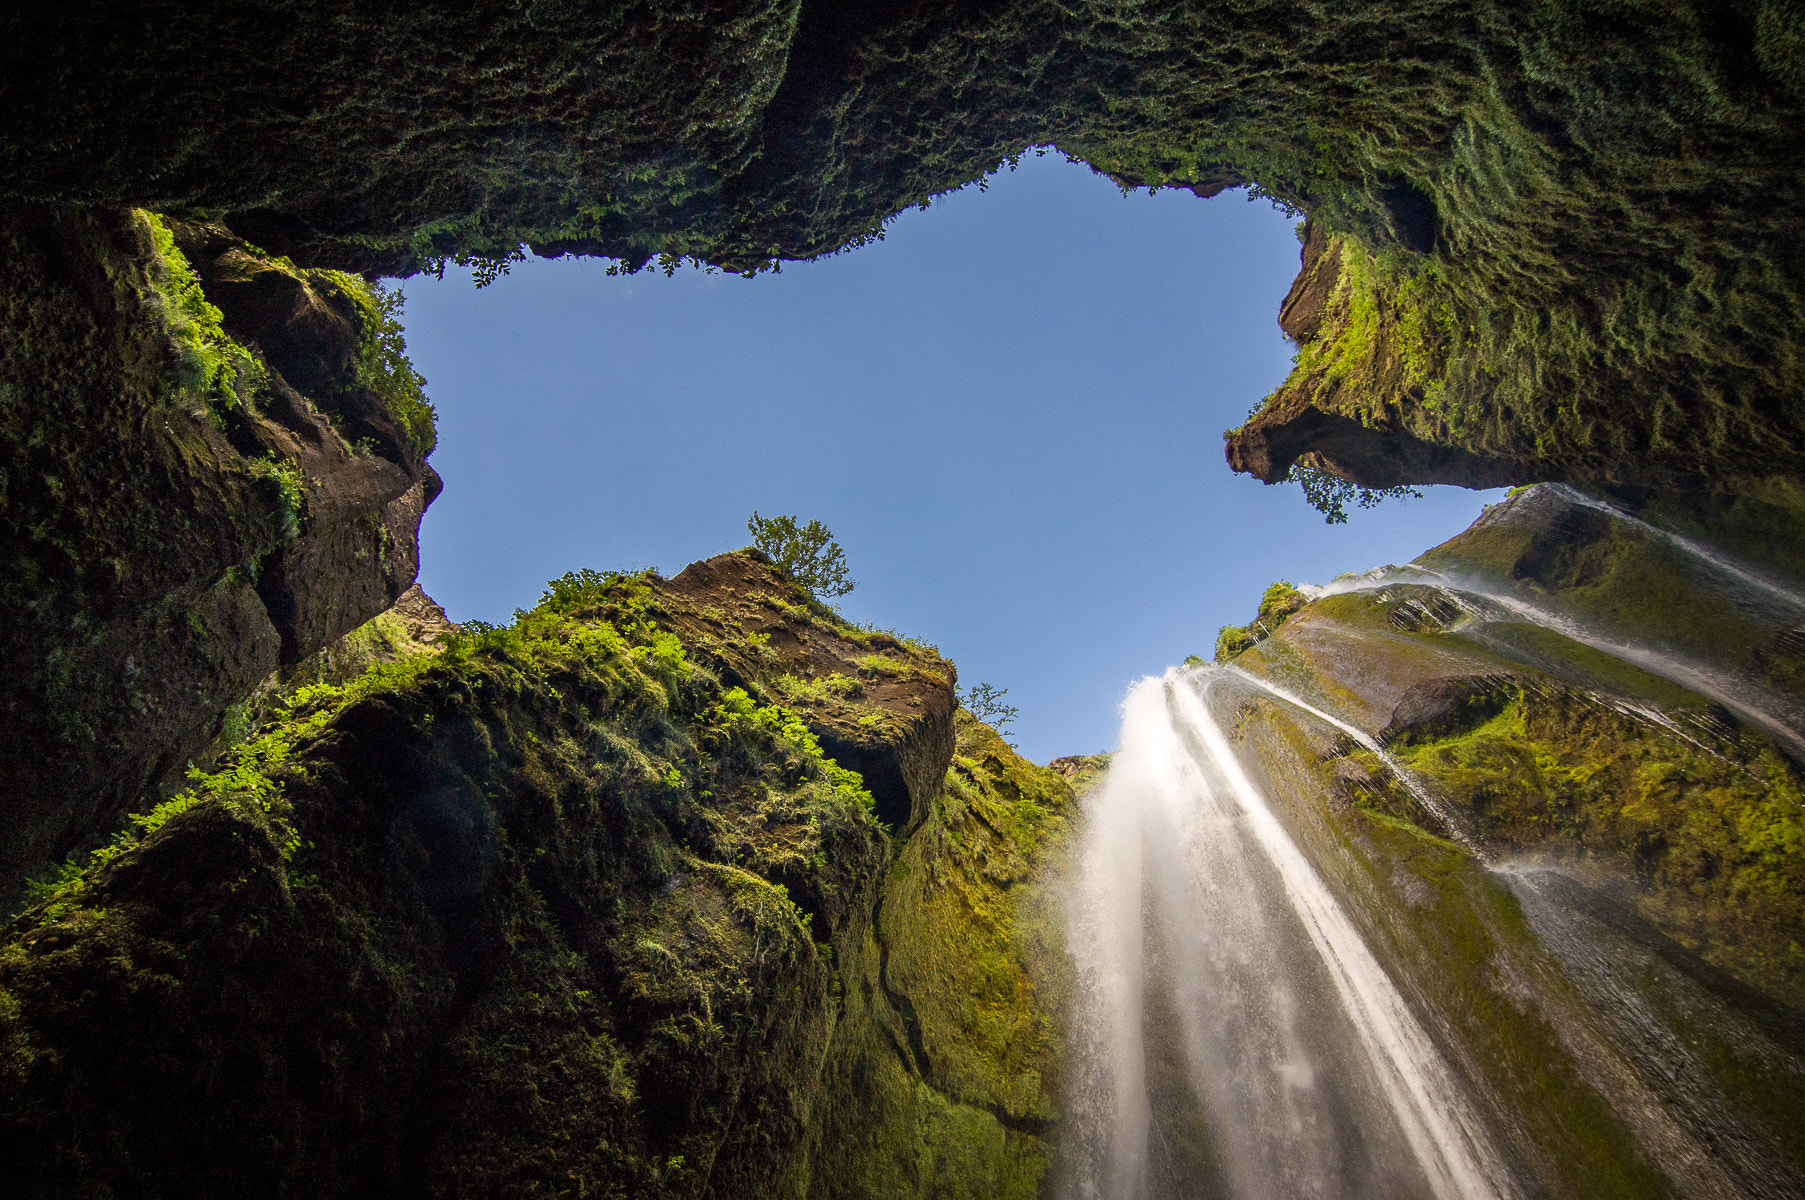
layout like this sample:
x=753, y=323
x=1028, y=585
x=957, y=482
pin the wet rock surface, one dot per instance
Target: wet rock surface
x=1589, y=689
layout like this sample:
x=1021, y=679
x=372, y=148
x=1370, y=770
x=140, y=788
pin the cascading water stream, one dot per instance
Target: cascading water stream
x=1210, y=951
x=1642, y=1036
x=1747, y=700
x=1450, y=820
x=1739, y=573
x=1738, y=696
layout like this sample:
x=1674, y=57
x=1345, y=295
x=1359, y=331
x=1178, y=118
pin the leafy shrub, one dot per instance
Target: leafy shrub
x=582, y=588
x=1279, y=602
x=1328, y=493
x=1231, y=640
x=285, y=477
x=986, y=703
x=738, y=712
x=807, y=553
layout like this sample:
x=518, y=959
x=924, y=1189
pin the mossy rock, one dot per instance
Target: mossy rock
x=1565, y=241
x=178, y=520
x=577, y=899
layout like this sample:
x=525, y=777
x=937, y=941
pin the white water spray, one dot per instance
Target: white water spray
x=1206, y=942
x=1450, y=820
x=1739, y=696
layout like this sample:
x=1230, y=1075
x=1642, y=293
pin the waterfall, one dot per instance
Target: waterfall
x=1235, y=1036
x=1451, y=821
x=1748, y=699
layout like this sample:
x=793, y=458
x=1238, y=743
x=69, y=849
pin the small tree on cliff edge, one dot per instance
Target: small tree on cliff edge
x=808, y=553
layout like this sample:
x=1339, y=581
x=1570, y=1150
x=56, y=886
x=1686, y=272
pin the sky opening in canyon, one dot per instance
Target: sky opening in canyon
x=1009, y=411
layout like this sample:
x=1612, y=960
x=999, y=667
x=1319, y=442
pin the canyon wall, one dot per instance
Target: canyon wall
x=579, y=903
x=1563, y=235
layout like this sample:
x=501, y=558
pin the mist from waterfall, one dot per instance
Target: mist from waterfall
x=1235, y=1036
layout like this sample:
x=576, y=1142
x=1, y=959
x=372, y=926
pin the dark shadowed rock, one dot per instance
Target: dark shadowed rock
x=577, y=903
x=1575, y=272
x=155, y=573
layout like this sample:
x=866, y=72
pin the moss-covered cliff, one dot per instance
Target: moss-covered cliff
x=1577, y=688
x=948, y=1083
x=1605, y=1058
x=1570, y=823
x=579, y=904
x=211, y=465
x=686, y=887
x=1565, y=236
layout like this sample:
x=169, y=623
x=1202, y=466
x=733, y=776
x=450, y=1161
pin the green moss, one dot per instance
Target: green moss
x=949, y=1082
x=131, y=622
x=1458, y=942
x=879, y=666
x=826, y=687
x=1279, y=602
x=1709, y=836
x=1559, y=225
x=594, y=918
x=214, y=367
x=663, y=869
x=383, y=366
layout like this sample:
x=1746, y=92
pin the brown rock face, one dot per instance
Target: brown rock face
x=833, y=674
x=1267, y=447
x=117, y=664
x=1326, y=414
x=421, y=617
x=1301, y=314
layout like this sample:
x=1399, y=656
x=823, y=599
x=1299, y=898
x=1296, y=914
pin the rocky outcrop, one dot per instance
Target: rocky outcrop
x=1081, y=771
x=881, y=707
x=1279, y=438
x=179, y=518
x=1279, y=602
x=579, y=903
x=1604, y=688
x=1300, y=316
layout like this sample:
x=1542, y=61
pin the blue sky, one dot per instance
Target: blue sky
x=1009, y=412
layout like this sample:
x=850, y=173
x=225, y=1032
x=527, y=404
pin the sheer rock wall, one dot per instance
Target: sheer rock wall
x=155, y=569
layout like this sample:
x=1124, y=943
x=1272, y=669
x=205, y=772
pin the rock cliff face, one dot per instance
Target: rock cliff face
x=684, y=887
x=1578, y=853
x=1588, y=689
x=580, y=903
x=1568, y=236
x=206, y=475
